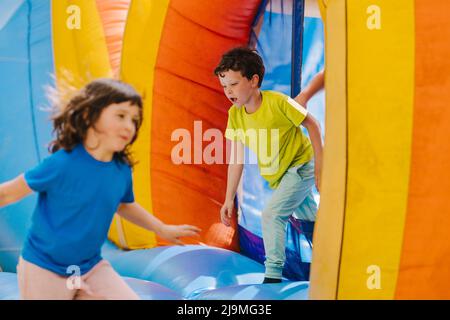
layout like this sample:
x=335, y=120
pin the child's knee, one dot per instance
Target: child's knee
x=268, y=215
x=272, y=218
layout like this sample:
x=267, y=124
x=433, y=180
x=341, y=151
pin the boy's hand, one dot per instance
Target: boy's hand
x=226, y=212
x=172, y=233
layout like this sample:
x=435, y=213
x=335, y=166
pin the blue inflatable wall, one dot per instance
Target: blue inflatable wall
x=26, y=65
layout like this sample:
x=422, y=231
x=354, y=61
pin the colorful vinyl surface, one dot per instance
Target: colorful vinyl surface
x=381, y=231
x=382, y=226
x=139, y=42
x=169, y=51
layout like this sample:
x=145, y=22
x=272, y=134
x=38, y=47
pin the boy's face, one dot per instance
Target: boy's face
x=238, y=88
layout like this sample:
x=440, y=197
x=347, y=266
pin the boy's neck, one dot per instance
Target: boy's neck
x=254, y=102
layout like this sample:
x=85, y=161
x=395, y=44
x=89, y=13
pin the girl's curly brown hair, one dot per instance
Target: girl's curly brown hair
x=72, y=120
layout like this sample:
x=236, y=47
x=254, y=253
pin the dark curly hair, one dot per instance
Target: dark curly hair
x=243, y=59
x=72, y=120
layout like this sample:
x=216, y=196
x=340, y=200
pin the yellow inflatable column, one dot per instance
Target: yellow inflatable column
x=79, y=47
x=323, y=9
x=359, y=231
x=380, y=113
x=329, y=225
x=141, y=43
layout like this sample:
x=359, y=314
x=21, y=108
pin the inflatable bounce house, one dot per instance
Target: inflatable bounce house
x=381, y=228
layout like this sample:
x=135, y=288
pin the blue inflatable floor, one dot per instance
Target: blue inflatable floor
x=187, y=273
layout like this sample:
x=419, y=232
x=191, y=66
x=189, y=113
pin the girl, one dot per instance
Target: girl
x=81, y=185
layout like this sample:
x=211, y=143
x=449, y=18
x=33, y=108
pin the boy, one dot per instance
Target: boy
x=268, y=120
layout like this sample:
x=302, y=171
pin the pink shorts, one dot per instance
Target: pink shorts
x=100, y=283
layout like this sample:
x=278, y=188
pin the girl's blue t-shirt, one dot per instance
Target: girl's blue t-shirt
x=78, y=196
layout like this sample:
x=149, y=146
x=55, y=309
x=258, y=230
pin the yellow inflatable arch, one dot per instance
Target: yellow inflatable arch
x=383, y=221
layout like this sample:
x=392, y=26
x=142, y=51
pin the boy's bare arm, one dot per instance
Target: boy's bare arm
x=14, y=190
x=316, y=84
x=234, y=176
x=235, y=168
x=313, y=127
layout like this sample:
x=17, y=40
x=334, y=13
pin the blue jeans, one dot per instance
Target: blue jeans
x=293, y=196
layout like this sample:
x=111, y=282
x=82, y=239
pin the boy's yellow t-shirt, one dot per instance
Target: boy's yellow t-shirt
x=272, y=132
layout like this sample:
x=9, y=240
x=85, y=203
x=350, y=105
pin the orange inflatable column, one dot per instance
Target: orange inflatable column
x=113, y=15
x=195, y=35
x=424, y=268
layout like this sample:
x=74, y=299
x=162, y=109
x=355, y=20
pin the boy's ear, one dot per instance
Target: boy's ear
x=255, y=80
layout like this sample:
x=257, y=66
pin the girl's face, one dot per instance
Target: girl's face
x=116, y=126
x=237, y=88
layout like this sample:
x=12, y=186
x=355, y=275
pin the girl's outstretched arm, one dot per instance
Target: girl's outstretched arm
x=13, y=190
x=136, y=214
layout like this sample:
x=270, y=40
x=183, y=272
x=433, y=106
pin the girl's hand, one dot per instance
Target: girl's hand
x=172, y=233
x=226, y=212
